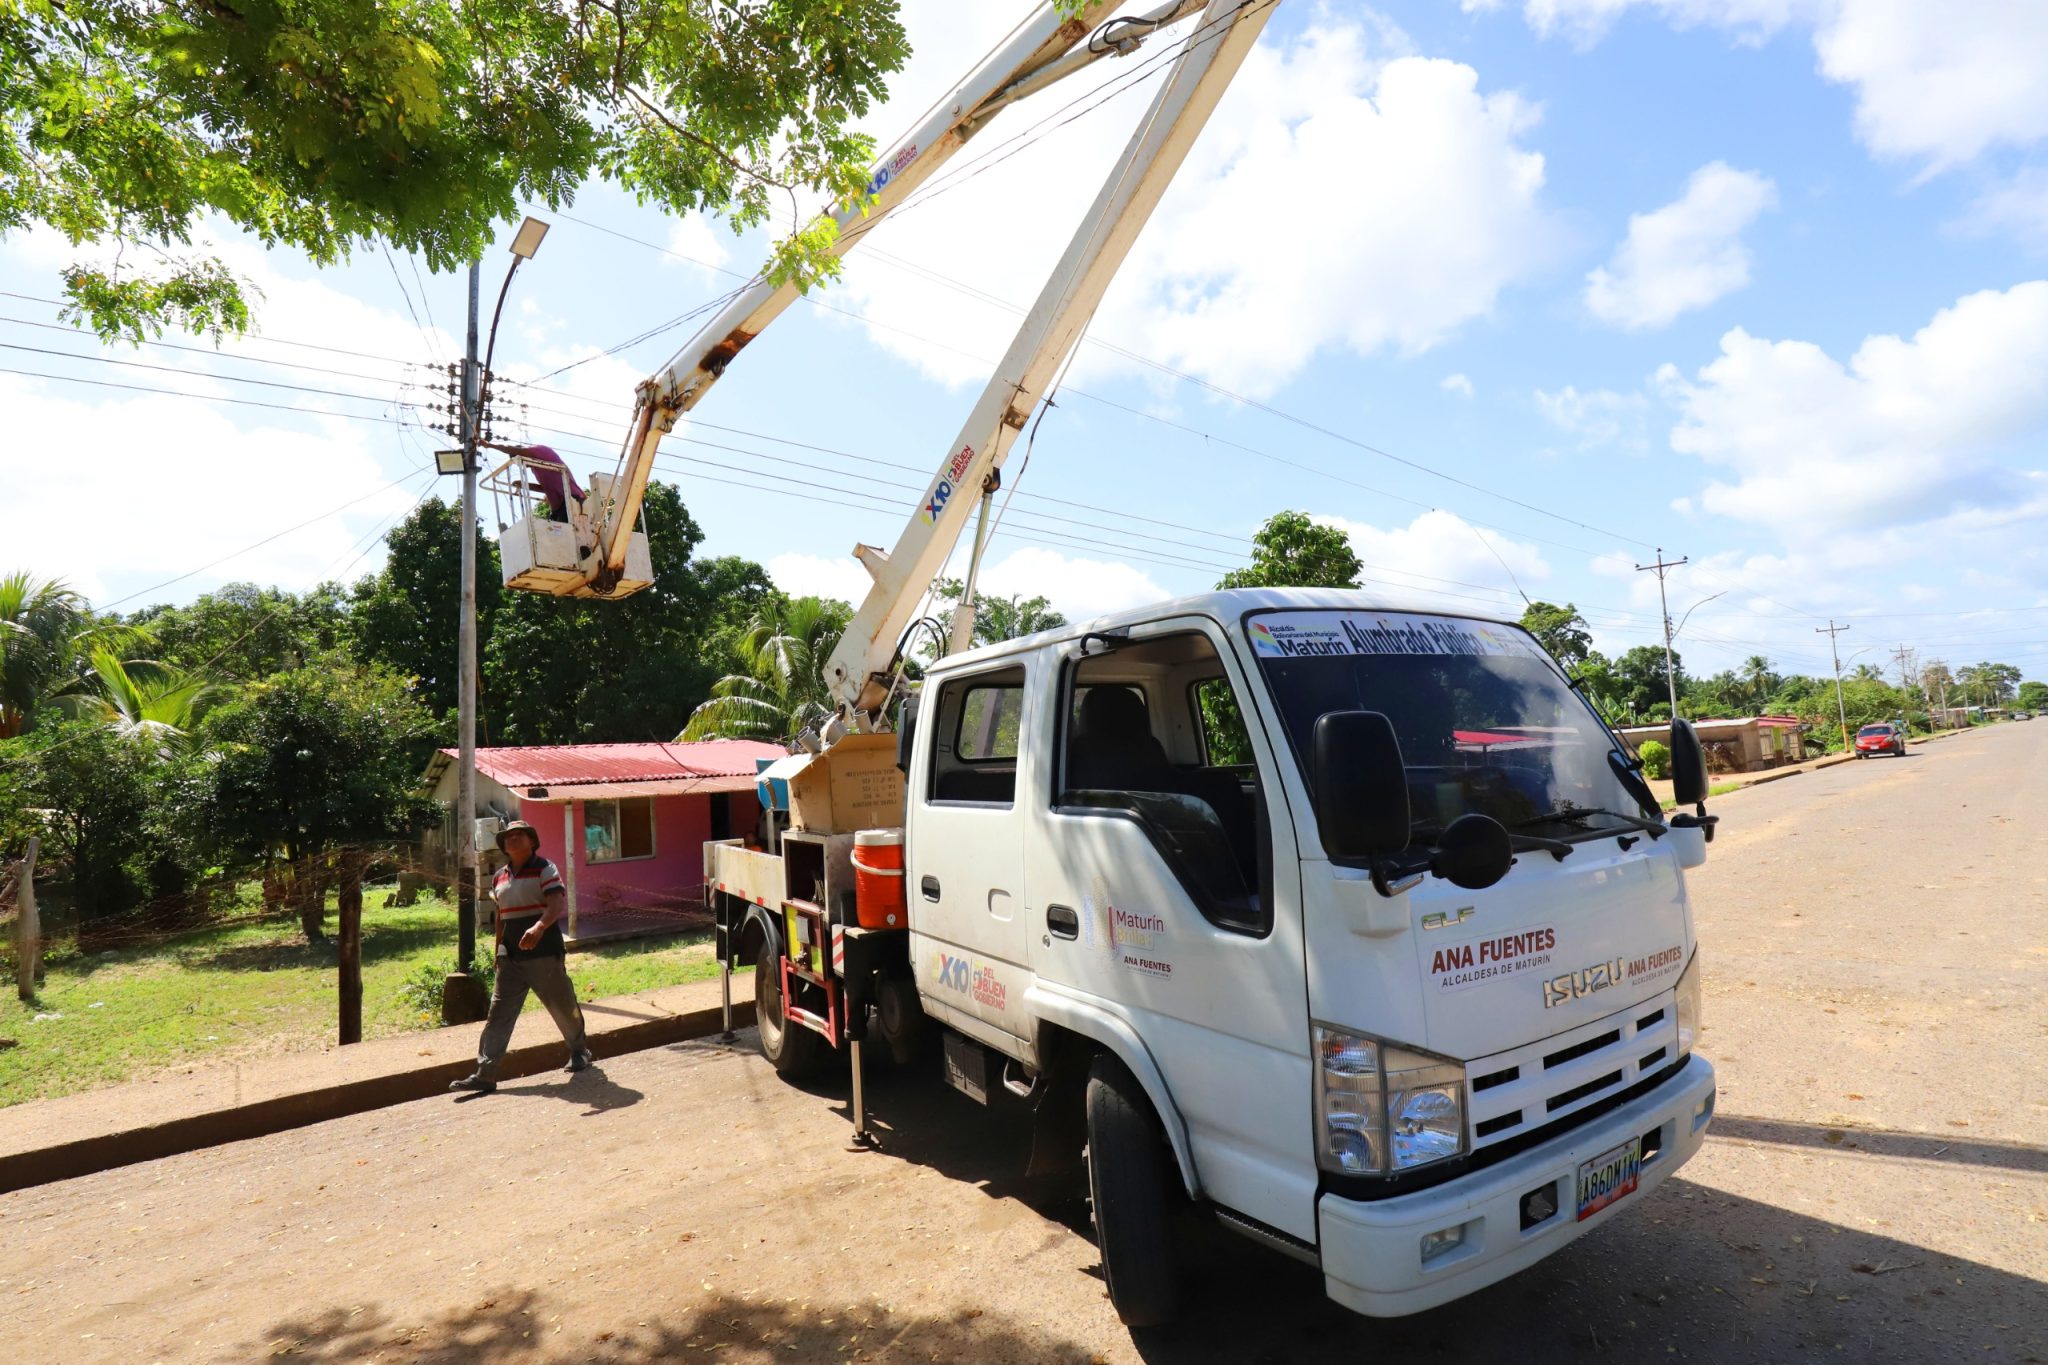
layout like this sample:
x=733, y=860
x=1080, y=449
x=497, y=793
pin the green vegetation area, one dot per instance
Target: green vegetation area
x=253, y=990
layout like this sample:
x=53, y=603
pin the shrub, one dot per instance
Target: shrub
x=1656, y=759
x=421, y=992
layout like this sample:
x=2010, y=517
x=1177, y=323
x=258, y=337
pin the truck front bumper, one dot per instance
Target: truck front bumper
x=1372, y=1250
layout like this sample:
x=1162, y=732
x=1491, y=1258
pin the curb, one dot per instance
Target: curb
x=68, y=1160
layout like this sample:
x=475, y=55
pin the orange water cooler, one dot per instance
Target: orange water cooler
x=879, y=899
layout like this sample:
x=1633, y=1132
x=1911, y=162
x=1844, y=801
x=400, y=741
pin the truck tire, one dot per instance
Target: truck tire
x=1134, y=1187
x=790, y=1048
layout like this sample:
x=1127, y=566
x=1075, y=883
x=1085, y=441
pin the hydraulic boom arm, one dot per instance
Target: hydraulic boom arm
x=1044, y=50
x=858, y=672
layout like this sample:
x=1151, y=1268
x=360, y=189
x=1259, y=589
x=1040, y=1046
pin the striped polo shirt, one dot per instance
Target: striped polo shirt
x=521, y=898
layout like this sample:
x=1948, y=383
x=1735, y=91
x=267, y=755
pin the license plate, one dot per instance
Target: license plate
x=1609, y=1176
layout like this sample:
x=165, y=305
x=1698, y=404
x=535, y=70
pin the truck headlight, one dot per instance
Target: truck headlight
x=1689, y=1005
x=1382, y=1108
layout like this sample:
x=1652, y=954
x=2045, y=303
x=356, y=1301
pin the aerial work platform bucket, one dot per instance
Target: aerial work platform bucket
x=547, y=536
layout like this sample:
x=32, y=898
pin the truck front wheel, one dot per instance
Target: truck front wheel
x=1134, y=1186
x=790, y=1048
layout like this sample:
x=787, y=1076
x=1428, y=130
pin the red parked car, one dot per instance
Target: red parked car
x=1880, y=739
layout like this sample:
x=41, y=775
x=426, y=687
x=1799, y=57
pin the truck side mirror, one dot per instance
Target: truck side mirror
x=1361, y=786
x=1688, y=765
x=906, y=732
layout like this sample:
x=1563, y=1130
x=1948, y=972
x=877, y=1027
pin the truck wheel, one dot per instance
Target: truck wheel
x=790, y=1048
x=1134, y=1186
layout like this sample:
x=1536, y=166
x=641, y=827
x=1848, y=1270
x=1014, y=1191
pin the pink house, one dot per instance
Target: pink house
x=625, y=822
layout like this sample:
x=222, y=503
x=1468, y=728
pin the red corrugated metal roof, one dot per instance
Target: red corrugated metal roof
x=540, y=765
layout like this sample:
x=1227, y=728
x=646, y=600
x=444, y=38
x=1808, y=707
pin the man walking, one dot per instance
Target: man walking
x=528, y=891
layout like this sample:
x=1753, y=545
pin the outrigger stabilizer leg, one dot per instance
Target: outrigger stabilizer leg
x=862, y=1137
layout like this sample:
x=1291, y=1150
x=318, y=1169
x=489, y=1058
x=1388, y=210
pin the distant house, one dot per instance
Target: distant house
x=1747, y=744
x=625, y=822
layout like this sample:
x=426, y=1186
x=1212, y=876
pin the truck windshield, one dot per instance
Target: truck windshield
x=1486, y=722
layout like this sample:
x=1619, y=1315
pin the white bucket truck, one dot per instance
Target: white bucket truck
x=1354, y=926
x=1348, y=922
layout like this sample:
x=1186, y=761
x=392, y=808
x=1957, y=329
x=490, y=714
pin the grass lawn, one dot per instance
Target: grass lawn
x=255, y=989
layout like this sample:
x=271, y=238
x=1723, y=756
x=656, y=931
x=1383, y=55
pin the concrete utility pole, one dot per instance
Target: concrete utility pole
x=1904, y=655
x=1664, y=605
x=1831, y=630
x=461, y=992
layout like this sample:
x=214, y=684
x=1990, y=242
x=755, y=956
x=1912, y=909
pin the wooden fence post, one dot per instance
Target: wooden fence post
x=349, y=904
x=28, y=933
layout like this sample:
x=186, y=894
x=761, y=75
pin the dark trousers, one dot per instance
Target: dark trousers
x=547, y=977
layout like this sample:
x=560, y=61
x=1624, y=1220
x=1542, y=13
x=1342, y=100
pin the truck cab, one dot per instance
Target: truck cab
x=1361, y=913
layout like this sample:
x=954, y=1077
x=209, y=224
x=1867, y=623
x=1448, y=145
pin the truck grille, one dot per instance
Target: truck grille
x=1529, y=1087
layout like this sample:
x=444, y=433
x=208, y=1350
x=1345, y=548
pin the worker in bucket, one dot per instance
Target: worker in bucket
x=531, y=956
x=550, y=475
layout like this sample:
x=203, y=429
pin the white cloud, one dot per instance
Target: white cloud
x=806, y=575
x=1938, y=83
x=1458, y=384
x=707, y=244
x=1585, y=22
x=1440, y=554
x=1907, y=433
x=1684, y=255
x=1344, y=195
x=1079, y=587
x=1597, y=417
x=2017, y=207
x=150, y=486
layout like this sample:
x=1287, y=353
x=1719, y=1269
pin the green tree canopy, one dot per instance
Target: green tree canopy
x=562, y=671
x=89, y=786
x=405, y=616
x=1293, y=551
x=1639, y=679
x=1561, y=630
x=311, y=760
x=2033, y=696
x=330, y=125
x=1003, y=618
x=243, y=632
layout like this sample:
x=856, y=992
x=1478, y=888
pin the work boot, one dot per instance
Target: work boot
x=477, y=1083
x=579, y=1060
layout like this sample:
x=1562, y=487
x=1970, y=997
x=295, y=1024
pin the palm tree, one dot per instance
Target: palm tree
x=142, y=700
x=781, y=691
x=1756, y=669
x=40, y=621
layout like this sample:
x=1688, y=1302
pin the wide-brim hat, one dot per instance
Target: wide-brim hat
x=518, y=827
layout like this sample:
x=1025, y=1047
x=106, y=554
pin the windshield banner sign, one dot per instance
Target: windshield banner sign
x=1321, y=634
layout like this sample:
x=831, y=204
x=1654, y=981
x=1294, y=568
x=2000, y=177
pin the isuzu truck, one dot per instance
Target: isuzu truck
x=1340, y=919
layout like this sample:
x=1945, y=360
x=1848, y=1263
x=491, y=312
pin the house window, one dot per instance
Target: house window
x=614, y=831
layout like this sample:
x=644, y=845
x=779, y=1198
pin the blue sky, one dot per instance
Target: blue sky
x=1756, y=281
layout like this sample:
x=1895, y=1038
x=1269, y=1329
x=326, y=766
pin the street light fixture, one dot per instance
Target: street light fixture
x=1680, y=630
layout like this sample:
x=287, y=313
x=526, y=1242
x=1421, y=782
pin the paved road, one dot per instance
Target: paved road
x=1876, y=1188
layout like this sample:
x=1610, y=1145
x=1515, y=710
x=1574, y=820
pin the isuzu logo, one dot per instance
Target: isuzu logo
x=1585, y=981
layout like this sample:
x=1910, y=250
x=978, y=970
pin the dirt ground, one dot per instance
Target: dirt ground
x=1875, y=1187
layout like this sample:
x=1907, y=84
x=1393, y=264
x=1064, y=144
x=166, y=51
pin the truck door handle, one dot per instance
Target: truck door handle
x=1062, y=921
x=930, y=887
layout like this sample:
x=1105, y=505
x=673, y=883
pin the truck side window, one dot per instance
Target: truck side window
x=976, y=723
x=1136, y=747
